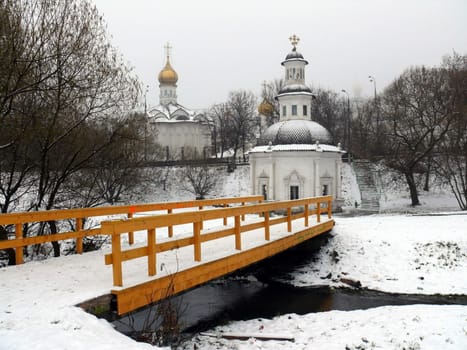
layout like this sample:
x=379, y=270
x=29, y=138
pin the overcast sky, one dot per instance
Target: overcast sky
x=220, y=46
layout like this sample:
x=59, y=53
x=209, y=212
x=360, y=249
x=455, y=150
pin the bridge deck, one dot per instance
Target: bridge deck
x=177, y=271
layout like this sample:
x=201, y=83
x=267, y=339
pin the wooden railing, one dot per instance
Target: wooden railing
x=78, y=215
x=118, y=227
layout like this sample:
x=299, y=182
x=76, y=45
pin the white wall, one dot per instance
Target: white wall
x=188, y=134
x=311, y=167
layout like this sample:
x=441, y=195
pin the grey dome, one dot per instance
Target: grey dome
x=294, y=54
x=296, y=131
x=294, y=88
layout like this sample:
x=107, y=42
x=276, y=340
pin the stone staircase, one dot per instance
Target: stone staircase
x=366, y=182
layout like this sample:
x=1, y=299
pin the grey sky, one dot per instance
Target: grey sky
x=220, y=46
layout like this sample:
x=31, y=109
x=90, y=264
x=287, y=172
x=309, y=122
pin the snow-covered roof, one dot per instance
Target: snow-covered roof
x=295, y=131
x=173, y=112
x=295, y=88
x=296, y=147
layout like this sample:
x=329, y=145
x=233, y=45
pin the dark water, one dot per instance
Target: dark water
x=261, y=291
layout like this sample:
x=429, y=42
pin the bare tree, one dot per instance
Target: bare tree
x=451, y=157
x=329, y=109
x=241, y=122
x=199, y=180
x=219, y=114
x=417, y=110
x=60, y=79
x=270, y=91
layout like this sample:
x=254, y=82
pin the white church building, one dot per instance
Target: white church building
x=181, y=132
x=295, y=157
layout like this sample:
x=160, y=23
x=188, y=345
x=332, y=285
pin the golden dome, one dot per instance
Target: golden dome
x=168, y=75
x=265, y=108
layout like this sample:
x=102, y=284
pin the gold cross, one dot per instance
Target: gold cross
x=294, y=40
x=167, y=48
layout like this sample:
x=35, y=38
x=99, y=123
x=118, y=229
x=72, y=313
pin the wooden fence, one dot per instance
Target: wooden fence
x=149, y=224
x=78, y=215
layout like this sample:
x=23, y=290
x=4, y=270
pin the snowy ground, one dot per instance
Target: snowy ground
x=422, y=254
x=394, y=253
x=391, y=253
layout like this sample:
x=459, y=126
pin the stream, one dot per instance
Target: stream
x=262, y=291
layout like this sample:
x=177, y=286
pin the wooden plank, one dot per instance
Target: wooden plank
x=238, y=237
x=131, y=234
x=246, y=336
x=19, y=250
x=140, y=252
x=225, y=217
x=192, y=216
x=79, y=240
x=129, y=299
x=22, y=242
x=151, y=251
x=197, y=240
x=318, y=212
x=267, y=233
x=117, y=260
x=63, y=214
x=201, y=222
x=170, y=228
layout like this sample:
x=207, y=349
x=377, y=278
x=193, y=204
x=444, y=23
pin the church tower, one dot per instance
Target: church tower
x=295, y=97
x=295, y=157
x=168, y=82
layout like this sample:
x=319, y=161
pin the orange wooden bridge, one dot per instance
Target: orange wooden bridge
x=216, y=237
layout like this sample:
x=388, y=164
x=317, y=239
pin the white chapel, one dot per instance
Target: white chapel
x=296, y=157
x=181, y=132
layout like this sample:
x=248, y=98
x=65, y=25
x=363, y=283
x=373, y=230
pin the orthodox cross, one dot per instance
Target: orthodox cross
x=167, y=48
x=294, y=40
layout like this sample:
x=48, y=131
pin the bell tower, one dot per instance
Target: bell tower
x=294, y=97
x=168, y=81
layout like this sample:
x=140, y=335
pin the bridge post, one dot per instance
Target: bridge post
x=329, y=209
x=79, y=240
x=225, y=218
x=151, y=252
x=267, y=234
x=197, y=240
x=19, y=250
x=131, y=235
x=170, y=228
x=318, y=211
x=117, y=260
x=243, y=215
x=238, y=238
x=201, y=222
x=289, y=219
x=306, y=213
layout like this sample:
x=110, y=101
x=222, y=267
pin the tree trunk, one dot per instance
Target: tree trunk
x=426, y=187
x=412, y=188
x=55, y=244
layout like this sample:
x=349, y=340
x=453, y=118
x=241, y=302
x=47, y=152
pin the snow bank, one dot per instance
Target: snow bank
x=390, y=327
x=394, y=253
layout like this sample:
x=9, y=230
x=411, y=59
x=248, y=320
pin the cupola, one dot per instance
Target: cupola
x=168, y=75
x=266, y=108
